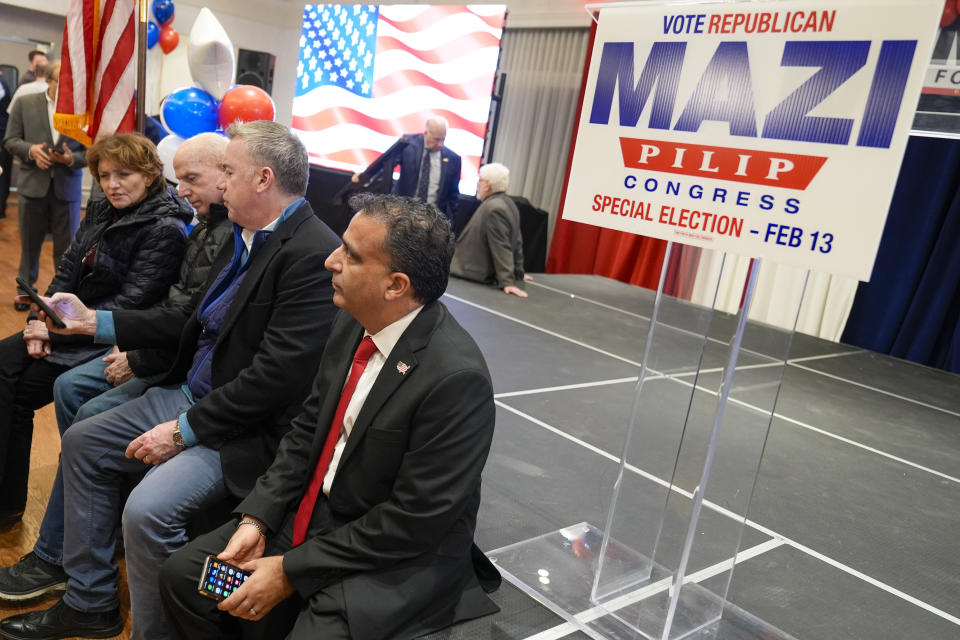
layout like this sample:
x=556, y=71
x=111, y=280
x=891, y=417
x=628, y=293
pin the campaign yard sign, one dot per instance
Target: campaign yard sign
x=771, y=130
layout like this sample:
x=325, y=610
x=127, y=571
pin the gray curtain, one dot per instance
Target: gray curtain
x=544, y=68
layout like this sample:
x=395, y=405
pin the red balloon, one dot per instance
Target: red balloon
x=245, y=103
x=169, y=39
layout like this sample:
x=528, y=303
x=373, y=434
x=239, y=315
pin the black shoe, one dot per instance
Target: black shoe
x=61, y=621
x=30, y=577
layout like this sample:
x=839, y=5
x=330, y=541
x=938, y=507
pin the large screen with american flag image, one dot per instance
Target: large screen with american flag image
x=368, y=74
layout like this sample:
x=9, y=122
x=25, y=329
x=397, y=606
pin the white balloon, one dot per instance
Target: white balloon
x=166, y=149
x=213, y=64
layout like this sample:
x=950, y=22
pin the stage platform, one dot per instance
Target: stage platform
x=853, y=531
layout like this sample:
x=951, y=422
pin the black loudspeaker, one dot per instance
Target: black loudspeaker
x=256, y=68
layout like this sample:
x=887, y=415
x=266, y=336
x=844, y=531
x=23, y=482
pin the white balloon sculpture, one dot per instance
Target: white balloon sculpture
x=210, y=55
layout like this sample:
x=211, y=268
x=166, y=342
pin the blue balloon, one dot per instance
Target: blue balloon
x=153, y=34
x=189, y=111
x=163, y=11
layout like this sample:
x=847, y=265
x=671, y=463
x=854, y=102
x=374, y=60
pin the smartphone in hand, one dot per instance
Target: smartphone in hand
x=219, y=579
x=37, y=300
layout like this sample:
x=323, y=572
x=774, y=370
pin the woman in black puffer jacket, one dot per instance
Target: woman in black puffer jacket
x=125, y=255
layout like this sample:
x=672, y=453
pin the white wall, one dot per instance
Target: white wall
x=24, y=24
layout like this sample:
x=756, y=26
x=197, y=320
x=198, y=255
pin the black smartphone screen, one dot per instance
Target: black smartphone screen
x=28, y=291
x=219, y=579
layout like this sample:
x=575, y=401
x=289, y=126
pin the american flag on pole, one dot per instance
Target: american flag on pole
x=98, y=71
x=368, y=74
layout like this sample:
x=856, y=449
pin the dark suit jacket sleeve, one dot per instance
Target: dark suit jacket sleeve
x=452, y=195
x=303, y=309
x=158, y=327
x=498, y=231
x=446, y=449
x=390, y=156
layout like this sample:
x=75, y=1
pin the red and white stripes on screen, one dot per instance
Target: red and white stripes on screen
x=98, y=74
x=430, y=60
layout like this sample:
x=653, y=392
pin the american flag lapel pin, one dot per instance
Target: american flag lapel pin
x=402, y=367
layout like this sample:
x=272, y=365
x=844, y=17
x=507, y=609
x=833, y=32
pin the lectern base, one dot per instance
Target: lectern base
x=558, y=569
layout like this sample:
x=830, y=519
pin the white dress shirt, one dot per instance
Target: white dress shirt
x=385, y=340
x=52, y=109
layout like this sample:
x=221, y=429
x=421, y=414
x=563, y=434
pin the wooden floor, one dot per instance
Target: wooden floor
x=46, y=441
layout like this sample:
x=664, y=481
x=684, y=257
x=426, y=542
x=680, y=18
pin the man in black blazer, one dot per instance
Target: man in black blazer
x=246, y=356
x=387, y=549
x=429, y=171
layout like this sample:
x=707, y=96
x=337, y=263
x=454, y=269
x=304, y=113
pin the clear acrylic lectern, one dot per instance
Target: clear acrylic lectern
x=660, y=566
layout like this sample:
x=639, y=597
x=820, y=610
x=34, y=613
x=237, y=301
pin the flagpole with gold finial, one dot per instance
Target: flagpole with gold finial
x=141, y=66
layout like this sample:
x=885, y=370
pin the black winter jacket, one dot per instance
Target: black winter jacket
x=137, y=260
x=203, y=245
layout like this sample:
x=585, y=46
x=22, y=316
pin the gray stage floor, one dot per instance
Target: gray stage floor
x=855, y=521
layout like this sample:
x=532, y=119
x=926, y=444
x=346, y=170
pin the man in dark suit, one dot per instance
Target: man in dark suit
x=490, y=247
x=428, y=170
x=246, y=356
x=6, y=159
x=362, y=527
x=49, y=186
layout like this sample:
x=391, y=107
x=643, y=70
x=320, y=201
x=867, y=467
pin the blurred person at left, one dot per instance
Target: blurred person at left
x=50, y=182
x=125, y=255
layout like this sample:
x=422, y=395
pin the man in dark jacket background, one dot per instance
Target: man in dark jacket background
x=246, y=357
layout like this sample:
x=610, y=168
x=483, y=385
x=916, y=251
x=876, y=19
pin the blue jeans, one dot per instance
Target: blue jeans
x=156, y=514
x=78, y=393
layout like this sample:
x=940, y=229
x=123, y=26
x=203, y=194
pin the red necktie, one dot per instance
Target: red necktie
x=309, y=501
